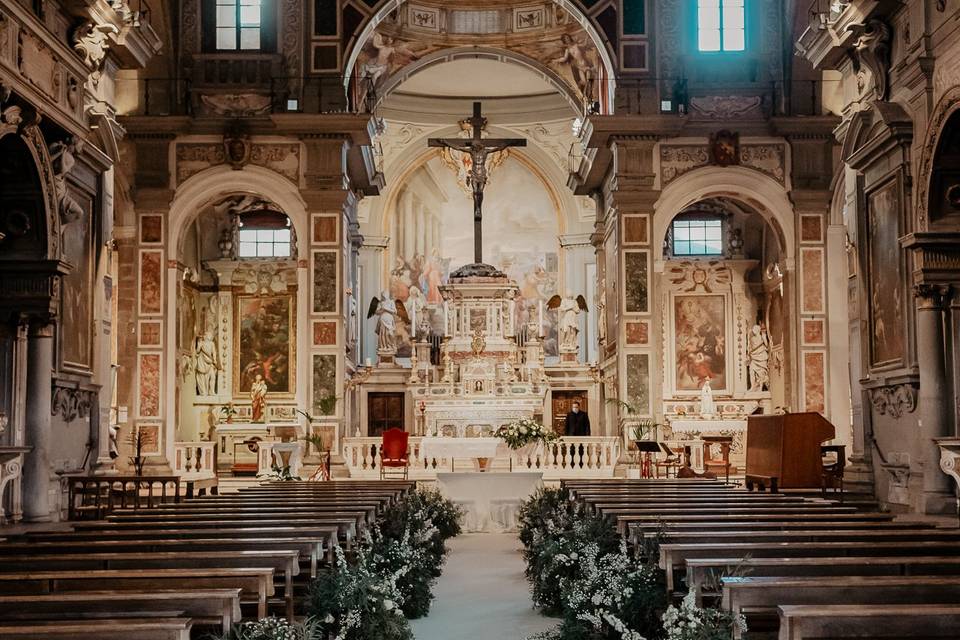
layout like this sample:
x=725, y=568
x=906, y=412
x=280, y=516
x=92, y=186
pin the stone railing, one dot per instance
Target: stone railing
x=573, y=457
x=195, y=460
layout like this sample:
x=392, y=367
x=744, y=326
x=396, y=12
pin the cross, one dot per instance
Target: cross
x=478, y=148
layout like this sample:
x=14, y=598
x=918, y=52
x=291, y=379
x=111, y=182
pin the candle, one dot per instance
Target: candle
x=540, y=306
x=368, y=362
x=446, y=317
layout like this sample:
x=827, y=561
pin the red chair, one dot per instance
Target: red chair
x=394, y=453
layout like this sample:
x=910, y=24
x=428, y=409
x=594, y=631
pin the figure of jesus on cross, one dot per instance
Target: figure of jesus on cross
x=478, y=148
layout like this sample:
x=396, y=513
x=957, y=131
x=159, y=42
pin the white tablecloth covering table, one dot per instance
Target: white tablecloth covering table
x=441, y=447
x=490, y=500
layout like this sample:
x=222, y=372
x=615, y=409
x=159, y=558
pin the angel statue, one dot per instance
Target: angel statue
x=387, y=310
x=568, y=325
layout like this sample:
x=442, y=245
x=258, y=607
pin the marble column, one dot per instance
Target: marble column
x=409, y=240
x=36, y=468
x=932, y=404
x=420, y=228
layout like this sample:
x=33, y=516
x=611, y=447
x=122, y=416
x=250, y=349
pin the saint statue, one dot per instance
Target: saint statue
x=707, y=407
x=601, y=314
x=207, y=364
x=258, y=398
x=386, y=309
x=568, y=326
x=758, y=353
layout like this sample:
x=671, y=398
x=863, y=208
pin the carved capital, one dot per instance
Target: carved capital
x=72, y=402
x=931, y=296
x=895, y=400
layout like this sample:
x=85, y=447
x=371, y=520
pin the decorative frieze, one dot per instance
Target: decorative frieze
x=769, y=158
x=194, y=157
x=72, y=402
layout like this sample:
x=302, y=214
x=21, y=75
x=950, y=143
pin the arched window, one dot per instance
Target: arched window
x=697, y=236
x=264, y=234
x=721, y=25
x=239, y=25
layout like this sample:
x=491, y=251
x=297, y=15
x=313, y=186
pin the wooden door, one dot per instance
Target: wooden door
x=562, y=401
x=384, y=411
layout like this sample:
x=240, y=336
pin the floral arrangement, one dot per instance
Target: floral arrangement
x=392, y=576
x=274, y=629
x=524, y=431
x=690, y=622
x=579, y=569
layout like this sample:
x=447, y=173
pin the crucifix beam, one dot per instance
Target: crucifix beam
x=478, y=148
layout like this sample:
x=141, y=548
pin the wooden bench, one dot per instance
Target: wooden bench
x=121, y=629
x=347, y=528
x=252, y=582
x=810, y=622
x=741, y=520
x=756, y=597
x=285, y=563
x=705, y=571
x=219, y=607
x=673, y=556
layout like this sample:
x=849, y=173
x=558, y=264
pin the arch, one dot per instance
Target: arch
x=390, y=6
x=749, y=187
x=946, y=107
x=207, y=186
x=499, y=55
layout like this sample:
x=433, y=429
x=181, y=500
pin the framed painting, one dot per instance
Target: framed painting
x=265, y=343
x=76, y=325
x=699, y=342
x=636, y=274
x=885, y=290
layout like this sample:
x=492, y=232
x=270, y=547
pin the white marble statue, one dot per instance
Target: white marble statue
x=568, y=310
x=707, y=406
x=601, y=314
x=386, y=309
x=207, y=364
x=758, y=354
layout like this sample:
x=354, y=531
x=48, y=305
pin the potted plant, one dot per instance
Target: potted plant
x=228, y=411
x=641, y=429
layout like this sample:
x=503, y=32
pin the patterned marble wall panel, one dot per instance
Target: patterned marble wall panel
x=325, y=229
x=637, y=383
x=151, y=438
x=151, y=229
x=324, y=380
x=814, y=381
x=149, y=333
x=637, y=333
x=150, y=283
x=812, y=296
x=636, y=229
x=811, y=228
x=149, y=385
x=325, y=298
x=813, y=332
x=324, y=333
x=636, y=279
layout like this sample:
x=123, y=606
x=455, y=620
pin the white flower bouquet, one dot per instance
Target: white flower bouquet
x=522, y=432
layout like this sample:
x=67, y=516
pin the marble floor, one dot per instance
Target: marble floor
x=482, y=594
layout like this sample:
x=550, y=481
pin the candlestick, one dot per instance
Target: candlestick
x=446, y=317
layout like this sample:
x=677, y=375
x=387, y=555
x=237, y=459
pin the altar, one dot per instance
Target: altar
x=452, y=449
x=703, y=436
x=490, y=500
x=237, y=442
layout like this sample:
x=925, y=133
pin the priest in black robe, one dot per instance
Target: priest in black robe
x=578, y=422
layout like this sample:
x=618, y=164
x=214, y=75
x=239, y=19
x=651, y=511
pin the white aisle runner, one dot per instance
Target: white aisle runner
x=482, y=594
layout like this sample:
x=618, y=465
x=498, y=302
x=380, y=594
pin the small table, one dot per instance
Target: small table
x=490, y=500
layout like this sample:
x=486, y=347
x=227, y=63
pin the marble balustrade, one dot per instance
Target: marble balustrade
x=573, y=457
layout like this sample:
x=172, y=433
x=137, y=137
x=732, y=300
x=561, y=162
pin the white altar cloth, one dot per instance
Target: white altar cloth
x=490, y=500
x=702, y=425
x=443, y=447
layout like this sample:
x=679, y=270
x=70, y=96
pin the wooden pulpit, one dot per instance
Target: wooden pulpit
x=784, y=450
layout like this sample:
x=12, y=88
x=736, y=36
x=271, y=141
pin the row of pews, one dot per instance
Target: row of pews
x=801, y=567
x=183, y=570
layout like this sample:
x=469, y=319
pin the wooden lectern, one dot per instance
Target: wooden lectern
x=784, y=451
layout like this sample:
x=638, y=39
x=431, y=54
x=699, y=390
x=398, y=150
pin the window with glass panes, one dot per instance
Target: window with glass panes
x=721, y=25
x=264, y=243
x=238, y=24
x=702, y=237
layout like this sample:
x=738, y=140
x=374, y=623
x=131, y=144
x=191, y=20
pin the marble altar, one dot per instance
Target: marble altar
x=490, y=500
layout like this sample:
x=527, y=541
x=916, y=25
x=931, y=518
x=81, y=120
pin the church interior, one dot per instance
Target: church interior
x=666, y=289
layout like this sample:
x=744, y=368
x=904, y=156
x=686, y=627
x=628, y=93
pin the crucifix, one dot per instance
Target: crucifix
x=478, y=148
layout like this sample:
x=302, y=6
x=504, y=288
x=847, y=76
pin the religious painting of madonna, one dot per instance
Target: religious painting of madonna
x=699, y=323
x=264, y=343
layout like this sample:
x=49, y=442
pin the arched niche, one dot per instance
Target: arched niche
x=388, y=40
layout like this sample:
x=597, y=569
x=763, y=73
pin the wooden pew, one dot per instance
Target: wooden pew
x=703, y=571
x=285, y=563
x=252, y=582
x=235, y=526
x=756, y=597
x=171, y=628
x=220, y=607
x=307, y=547
x=751, y=520
x=674, y=556
x=810, y=622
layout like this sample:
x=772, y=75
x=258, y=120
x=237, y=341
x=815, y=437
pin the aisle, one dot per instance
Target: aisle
x=482, y=594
